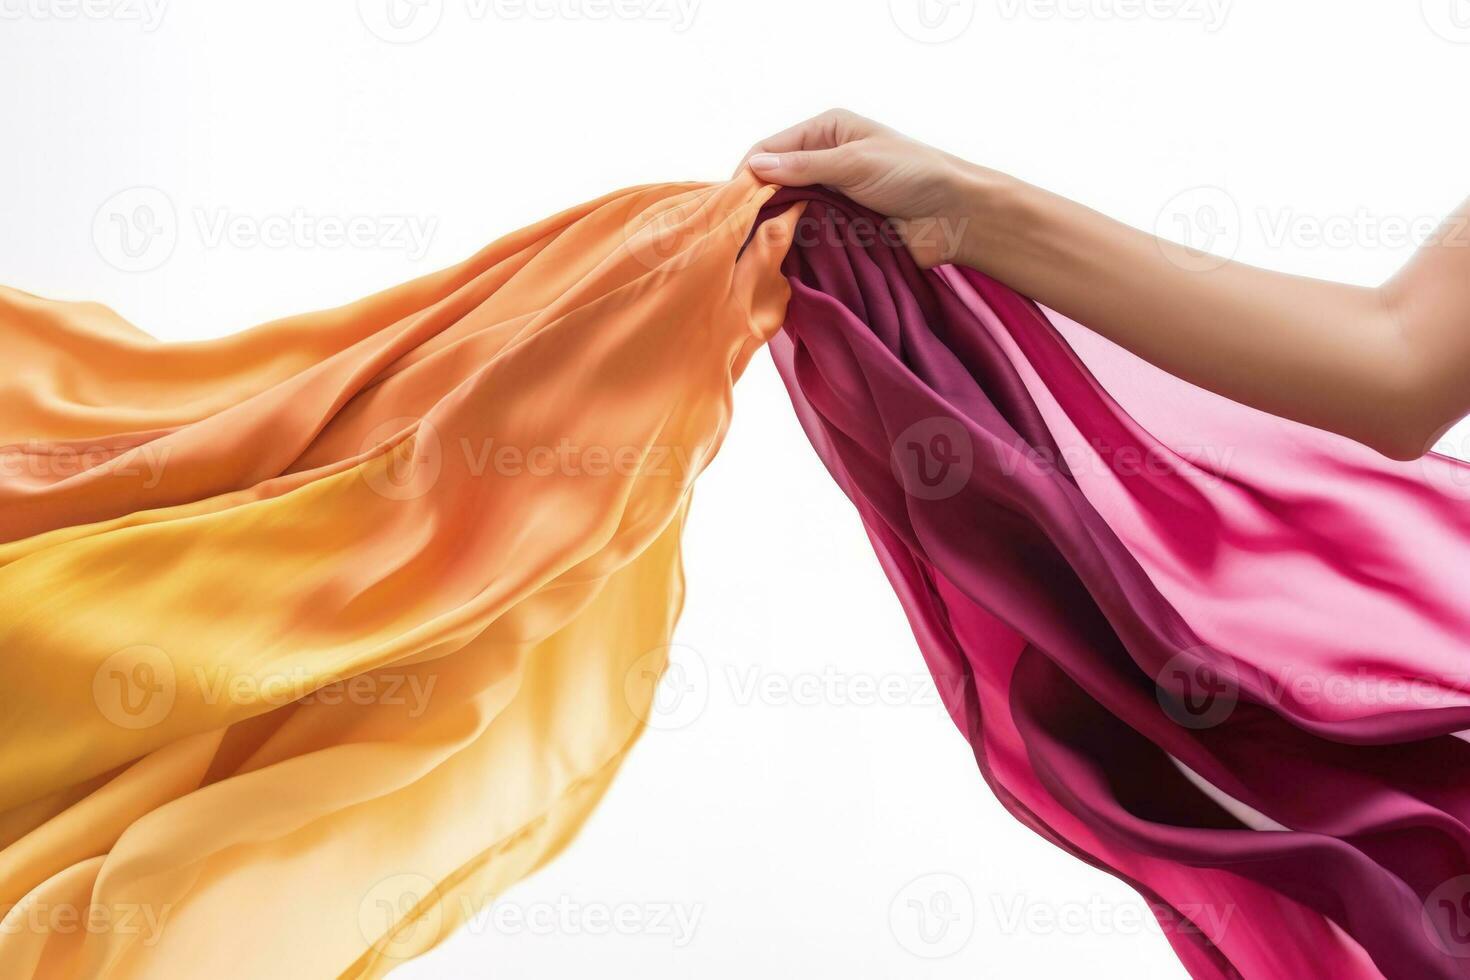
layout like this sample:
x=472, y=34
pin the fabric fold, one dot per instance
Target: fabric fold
x=364, y=607
x=1153, y=618
x=367, y=606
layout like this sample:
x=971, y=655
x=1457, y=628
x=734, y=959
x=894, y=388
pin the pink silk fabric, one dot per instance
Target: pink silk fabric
x=1220, y=655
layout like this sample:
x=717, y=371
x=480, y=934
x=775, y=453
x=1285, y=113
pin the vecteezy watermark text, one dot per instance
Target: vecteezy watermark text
x=139, y=228
x=147, y=14
x=145, y=463
x=408, y=21
x=1210, y=14
x=138, y=920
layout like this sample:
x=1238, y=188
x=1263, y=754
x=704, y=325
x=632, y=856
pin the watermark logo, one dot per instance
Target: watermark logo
x=932, y=21
x=1199, y=229
x=400, y=21
x=1450, y=478
x=417, y=461
x=412, y=467
x=136, y=230
x=1446, y=917
x=933, y=458
x=933, y=916
x=668, y=687
x=394, y=917
x=1198, y=688
x=1450, y=19
x=135, y=688
x=656, y=233
x=1202, y=228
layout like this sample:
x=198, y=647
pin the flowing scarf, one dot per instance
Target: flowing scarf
x=314, y=637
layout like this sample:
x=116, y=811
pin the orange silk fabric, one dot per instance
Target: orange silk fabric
x=315, y=637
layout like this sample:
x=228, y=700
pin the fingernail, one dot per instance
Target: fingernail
x=765, y=161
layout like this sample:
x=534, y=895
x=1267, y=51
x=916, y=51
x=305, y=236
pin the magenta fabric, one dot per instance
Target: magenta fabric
x=1219, y=655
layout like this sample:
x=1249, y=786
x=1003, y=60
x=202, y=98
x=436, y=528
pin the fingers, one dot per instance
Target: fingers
x=831, y=129
x=798, y=137
x=799, y=168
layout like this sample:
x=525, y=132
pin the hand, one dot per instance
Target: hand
x=921, y=188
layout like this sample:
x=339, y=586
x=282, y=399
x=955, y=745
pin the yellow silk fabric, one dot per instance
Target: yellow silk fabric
x=314, y=637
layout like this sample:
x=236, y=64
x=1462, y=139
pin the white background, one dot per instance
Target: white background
x=1312, y=136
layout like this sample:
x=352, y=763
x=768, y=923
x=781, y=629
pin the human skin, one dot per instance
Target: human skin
x=1388, y=366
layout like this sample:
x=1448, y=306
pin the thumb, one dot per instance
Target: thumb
x=802, y=167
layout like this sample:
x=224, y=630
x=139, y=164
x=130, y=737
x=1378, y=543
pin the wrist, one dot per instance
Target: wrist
x=985, y=203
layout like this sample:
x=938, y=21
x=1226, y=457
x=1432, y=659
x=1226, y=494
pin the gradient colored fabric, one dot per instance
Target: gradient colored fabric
x=315, y=638
x=1217, y=654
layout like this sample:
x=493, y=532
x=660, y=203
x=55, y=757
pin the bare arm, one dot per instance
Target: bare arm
x=1388, y=367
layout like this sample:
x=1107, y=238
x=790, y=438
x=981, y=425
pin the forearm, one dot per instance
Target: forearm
x=1333, y=356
